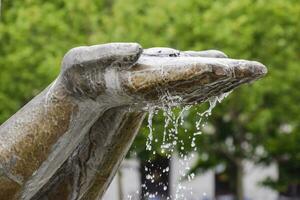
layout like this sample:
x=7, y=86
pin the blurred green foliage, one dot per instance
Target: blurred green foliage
x=259, y=122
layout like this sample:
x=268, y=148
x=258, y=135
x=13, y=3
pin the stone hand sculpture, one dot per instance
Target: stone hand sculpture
x=68, y=142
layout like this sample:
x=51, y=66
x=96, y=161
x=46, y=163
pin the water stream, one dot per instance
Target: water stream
x=170, y=140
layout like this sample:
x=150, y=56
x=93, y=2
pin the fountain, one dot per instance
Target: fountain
x=68, y=142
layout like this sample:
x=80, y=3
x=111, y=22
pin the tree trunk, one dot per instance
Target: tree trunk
x=239, y=180
x=120, y=186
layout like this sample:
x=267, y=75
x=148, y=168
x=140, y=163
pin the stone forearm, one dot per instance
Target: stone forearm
x=27, y=138
x=90, y=168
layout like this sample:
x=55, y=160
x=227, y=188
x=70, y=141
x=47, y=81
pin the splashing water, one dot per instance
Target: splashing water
x=212, y=104
x=170, y=141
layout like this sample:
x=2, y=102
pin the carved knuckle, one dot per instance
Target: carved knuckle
x=162, y=51
x=72, y=57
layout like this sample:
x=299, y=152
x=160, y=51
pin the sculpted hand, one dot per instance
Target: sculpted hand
x=127, y=74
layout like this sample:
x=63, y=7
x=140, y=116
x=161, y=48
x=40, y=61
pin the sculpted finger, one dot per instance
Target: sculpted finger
x=169, y=52
x=84, y=68
x=161, y=52
x=104, y=55
x=207, y=53
x=195, y=79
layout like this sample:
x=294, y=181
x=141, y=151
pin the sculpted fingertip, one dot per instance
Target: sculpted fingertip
x=139, y=49
x=218, y=54
x=207, y=53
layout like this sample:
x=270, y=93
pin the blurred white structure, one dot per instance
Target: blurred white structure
x=200, y=188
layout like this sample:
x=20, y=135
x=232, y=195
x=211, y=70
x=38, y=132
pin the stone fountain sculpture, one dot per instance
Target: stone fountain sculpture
x=68, y=142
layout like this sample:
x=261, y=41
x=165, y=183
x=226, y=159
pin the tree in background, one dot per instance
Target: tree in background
x=249, y=125
x=259, y=122
x=34, y=35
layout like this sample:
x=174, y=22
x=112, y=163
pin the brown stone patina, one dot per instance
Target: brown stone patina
x=68, y=142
